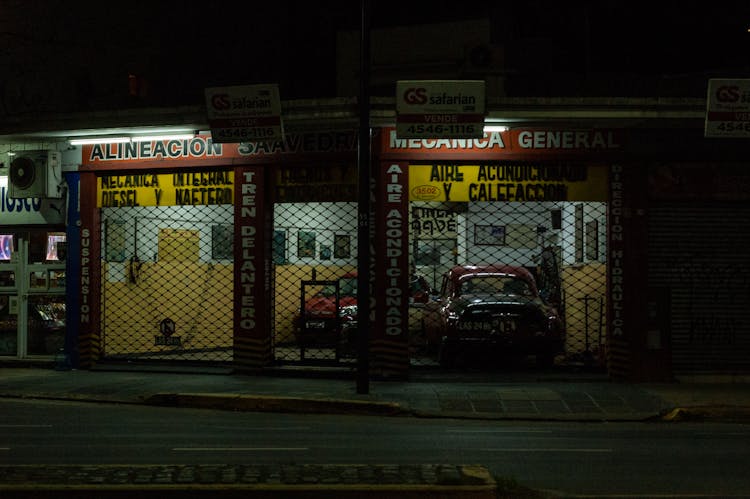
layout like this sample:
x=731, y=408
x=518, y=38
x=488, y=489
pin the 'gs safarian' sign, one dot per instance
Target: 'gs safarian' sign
x=247, y=113
x=728, y=108
x=432, y=109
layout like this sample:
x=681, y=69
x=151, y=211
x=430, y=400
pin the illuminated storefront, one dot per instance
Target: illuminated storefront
x=33, y=272
x=245, y=255
x=209, y=251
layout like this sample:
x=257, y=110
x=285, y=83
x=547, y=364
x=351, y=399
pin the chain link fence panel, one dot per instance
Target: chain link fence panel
x=167, y=283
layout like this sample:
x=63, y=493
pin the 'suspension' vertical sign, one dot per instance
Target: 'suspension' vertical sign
x=435, y=109
x=246, y=113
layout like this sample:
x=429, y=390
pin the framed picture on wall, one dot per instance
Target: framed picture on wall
x=305, y=244
x=325, y=252
x=278, y=247
x=489, y=235
x=592, y=240
x=222, y=242
x=115, y=245
x=341, y=246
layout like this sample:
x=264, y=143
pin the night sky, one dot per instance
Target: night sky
x=182, y=47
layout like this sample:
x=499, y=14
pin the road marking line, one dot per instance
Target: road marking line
x=498, y=431
x=263, y=428
x=545, y=450
x=240, y=449
x=25, y=426
x=737, y=434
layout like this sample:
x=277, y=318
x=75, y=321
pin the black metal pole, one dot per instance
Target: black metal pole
x=363, y=228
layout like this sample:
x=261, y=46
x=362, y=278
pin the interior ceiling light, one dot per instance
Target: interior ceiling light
x=99, y=140
x=176, y=136
x=496, y=128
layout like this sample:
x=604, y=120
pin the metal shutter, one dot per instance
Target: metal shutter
x=698, y=254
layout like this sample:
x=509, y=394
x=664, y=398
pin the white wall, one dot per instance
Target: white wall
x=522, y=241
x=325, y=220
x=143, y=223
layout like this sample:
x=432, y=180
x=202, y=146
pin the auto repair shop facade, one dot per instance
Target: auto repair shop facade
x=137, y=192
x=192, y=251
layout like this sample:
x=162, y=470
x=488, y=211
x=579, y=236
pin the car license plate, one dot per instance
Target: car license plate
x=315, y=325
x=504, y=325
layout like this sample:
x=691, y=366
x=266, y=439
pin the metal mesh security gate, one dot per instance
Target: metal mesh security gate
x=698, y=265
x=167, y=282
x=167, y=271
x=562, y=244
x=314, y=250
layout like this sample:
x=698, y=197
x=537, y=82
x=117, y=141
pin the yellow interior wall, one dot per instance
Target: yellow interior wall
x=196, y=296
x=578, y=281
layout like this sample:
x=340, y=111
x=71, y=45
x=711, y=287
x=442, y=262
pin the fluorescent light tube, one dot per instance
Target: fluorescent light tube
x=150, y=138
x=99, y=140
x=495, y=128
x=137, y=138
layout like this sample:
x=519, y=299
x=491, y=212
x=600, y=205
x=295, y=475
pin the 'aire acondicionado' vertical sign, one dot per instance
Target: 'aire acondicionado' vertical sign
x=437, y=109
x=246, y=113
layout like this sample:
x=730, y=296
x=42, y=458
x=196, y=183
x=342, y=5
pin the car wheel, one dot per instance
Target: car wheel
x=545, y=361
x=446, y=354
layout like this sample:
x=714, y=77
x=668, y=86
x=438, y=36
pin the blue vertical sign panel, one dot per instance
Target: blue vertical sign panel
x=73, y=268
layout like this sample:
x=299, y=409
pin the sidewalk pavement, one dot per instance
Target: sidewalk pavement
x=521, y=396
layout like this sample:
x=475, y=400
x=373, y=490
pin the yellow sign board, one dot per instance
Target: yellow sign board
x=165, y=189
x=507, y=182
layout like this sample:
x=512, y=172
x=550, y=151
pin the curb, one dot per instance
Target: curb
x=302, y=405
x=269, y=403
x=260, y=403
x=717, y=413
x=637, y=417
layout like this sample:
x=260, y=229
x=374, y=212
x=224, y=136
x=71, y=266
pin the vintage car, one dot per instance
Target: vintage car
x=329, y=315
x=493, y=308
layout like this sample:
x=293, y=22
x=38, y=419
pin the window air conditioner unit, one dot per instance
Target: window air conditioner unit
x=36, y=174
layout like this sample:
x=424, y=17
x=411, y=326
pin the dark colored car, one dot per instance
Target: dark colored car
x=495, y=307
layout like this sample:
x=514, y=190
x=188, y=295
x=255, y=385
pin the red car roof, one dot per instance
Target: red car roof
x=461, y=270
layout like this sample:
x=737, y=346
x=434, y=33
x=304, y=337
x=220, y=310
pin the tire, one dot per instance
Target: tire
x=545, y=361
x=446, y=354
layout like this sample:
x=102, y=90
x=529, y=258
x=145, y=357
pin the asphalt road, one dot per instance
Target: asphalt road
x=595, y=458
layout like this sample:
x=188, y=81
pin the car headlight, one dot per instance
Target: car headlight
x=553, y=325
x=451, y=317
x=349, y=310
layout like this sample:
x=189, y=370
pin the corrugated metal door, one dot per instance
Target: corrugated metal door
x=698, y=254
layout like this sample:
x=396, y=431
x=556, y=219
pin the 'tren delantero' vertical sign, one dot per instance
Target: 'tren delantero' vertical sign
x=433, y=109
x=245, y=113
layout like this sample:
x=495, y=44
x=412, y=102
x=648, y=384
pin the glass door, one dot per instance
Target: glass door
x=32, y=293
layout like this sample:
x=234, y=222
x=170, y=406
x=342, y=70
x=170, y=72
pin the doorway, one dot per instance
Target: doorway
x=32, y=292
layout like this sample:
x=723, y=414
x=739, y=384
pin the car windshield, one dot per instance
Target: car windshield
x=492, y=284
x=347, y=287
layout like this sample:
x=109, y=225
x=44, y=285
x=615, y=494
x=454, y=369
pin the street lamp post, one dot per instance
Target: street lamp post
x=364, y=222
